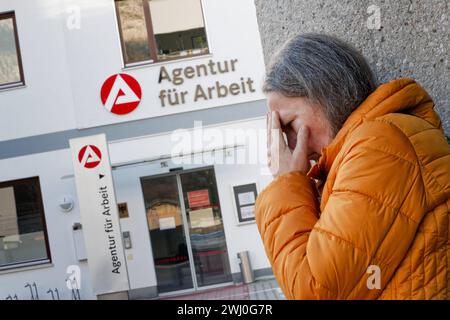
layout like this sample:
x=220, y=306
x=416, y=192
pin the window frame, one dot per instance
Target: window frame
x=151, y=38
x=27, y=263
x=21, y=82
x=237, y=207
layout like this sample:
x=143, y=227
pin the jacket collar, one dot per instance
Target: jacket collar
x=401, y=96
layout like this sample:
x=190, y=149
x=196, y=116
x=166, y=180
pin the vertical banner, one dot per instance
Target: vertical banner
x=99, y=214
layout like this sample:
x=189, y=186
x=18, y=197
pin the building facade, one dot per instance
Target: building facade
x=175, y=88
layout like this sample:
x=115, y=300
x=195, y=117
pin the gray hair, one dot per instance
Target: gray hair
x=326, y=71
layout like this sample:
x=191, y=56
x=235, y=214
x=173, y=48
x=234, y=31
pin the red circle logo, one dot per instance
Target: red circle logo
x=121, y=94
x=89, y=156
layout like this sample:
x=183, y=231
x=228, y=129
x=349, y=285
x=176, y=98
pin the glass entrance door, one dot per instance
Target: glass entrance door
x=186, y=230
x=167, y=233
x=206, y=232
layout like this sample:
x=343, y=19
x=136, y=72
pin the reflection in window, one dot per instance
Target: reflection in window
x=22, y=230
x=206, y=230
x=10, y=69
x=159, y=30
x=165, y=223
x=134, y=30
x=178, y=28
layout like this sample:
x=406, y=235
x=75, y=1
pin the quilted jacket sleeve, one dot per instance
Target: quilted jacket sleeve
x=367, y=220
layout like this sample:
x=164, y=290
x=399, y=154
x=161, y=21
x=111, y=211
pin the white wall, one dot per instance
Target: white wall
x=45, y=104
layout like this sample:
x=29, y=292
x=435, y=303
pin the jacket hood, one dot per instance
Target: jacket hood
x=397, y=96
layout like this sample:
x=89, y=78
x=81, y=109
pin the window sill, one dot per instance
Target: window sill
x=144, y=64
x=13, y=86
x=26, y=267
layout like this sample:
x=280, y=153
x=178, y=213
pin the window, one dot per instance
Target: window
x=10, y=62
x=160, y=30
x=23, y=235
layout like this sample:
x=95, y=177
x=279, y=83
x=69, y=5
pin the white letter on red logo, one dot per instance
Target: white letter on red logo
x=89, y=156
x=121, y=94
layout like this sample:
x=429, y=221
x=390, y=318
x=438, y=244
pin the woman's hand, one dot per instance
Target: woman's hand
x=281, y=159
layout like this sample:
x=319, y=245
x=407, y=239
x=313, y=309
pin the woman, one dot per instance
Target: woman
x=370, y=220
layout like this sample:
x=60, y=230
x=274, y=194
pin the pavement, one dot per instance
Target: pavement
x=262, y=289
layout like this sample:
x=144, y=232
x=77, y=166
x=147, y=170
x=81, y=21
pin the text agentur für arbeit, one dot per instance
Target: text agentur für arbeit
x=174, y=96
x=109, y=230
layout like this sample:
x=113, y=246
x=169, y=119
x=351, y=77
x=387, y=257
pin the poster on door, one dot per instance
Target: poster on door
x=99, y=214
x=198, y=198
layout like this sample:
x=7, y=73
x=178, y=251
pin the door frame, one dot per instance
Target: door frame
x=177, y=173
x=186, y=230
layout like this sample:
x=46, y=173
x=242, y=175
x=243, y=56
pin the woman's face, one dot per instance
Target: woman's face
x=295, y=111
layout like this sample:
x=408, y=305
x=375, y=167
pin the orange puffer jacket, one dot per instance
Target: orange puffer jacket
x=382, y=228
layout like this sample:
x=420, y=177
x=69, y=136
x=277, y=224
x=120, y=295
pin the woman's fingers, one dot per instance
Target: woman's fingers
x=276, y=130
x=277, y=143
x=275, y=120
x=279, y=158
x=268, y=126
x=302, y=140
x=300, y=153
